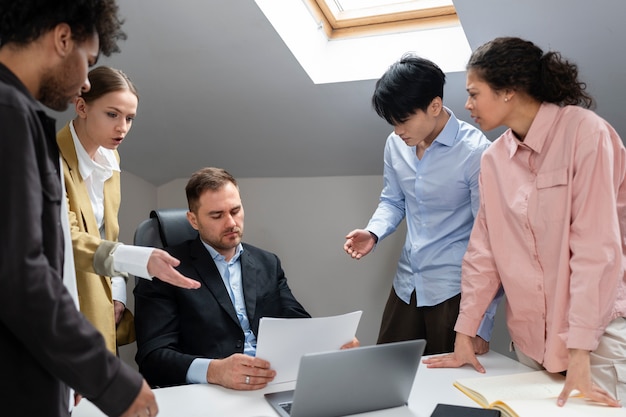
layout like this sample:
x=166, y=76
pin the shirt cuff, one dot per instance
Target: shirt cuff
x=486, y=326
x=196, y=374
x=118, y=289
x=132, y=259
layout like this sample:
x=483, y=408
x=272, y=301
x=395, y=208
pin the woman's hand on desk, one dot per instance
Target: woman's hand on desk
x=578, y=378
x=463, y=354
x=241, y=372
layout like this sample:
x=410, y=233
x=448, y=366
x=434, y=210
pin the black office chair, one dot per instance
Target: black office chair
x=166, y=227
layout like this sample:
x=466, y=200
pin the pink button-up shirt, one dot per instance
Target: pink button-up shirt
x=551, y=230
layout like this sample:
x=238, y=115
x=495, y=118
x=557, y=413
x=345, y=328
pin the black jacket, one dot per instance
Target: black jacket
x=46, y=345
x=174, y=326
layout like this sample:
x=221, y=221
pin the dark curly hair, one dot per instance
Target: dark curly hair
x=517, y=64
x=23, y=21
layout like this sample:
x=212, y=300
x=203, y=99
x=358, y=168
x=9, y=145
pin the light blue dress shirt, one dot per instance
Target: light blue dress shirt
x=438, y=196
x=231, y=275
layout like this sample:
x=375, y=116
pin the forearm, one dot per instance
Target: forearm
x=114, y=258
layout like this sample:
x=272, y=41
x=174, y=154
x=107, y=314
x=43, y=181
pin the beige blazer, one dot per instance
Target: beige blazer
x=94, y=291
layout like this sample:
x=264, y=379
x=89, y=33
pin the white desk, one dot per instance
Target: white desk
x=431, y=386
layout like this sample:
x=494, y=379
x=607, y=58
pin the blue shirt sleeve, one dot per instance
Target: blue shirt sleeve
x=196, y=374
x=486, y=326
x=391, y=207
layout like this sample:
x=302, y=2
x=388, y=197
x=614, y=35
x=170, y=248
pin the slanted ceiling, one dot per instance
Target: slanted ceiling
x=219, y=87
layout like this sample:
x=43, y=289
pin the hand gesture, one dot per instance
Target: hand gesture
x=359, y=243
x=240, y=372
x=161, y=265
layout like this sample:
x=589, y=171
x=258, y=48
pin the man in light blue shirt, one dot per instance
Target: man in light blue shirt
x=432, y=162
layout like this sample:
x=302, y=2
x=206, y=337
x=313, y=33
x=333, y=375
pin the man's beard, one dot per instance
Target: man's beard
x=50, y=93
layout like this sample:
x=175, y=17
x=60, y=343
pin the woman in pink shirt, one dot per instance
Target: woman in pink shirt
x=552, y=222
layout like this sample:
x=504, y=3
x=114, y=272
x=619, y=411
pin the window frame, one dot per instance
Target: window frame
x=379, y=20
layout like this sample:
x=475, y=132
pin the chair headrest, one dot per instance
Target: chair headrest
x=174, y=228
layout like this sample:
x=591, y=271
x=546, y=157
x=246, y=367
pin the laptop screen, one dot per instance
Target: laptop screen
x=352, y=381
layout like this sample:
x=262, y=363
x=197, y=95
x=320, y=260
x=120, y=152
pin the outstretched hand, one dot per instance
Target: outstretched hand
x=161, y=265
x=359, y=243
x=463, y=354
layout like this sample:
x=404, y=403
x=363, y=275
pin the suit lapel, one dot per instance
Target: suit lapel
x=249, y=272
x=68, y=151
x=210, y=276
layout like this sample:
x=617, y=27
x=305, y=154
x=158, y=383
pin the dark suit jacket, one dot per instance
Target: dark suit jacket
x=174, y=326
x=46, y=345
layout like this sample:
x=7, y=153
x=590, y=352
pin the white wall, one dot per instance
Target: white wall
x=303, y=221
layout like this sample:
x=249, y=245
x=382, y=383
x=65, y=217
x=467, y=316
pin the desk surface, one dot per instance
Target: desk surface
x=431, y=386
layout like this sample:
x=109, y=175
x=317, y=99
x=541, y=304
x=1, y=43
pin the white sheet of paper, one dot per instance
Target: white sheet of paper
x=282, y=342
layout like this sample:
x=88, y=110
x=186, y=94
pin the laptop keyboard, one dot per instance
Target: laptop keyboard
x=286, y=407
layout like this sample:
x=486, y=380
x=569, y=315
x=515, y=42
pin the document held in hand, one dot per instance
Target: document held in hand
x=282, y=342
x=530, y=394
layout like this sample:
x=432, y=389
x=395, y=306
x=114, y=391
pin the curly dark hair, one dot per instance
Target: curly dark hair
x=23, y=21
x=518, y=64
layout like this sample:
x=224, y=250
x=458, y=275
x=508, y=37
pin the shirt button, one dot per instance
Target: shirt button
x=238, y=344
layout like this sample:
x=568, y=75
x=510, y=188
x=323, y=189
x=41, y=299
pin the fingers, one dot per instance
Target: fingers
x=352, y=250
x=176, y=278
x=452, y=360
x=481, y=346
x=351, y=344
x=444, y=361
x=477, y=365
x=144, y=404
x=350, y=235
x=601, y=396
x=596, y=394
x=254, y=382
x=356, y=243
x=170, y=259
x=348, y=247
x=240, y=372
x=161, y=265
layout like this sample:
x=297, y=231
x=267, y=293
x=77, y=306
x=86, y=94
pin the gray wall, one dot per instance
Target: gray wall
x=303, y=221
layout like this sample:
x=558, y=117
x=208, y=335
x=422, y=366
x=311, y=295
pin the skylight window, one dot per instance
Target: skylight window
x=342, y=18
x=365, y=41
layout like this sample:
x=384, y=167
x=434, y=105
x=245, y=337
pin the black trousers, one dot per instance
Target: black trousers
x=435, y=324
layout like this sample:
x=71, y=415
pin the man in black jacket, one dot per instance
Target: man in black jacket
x=209, y=335
x=46, y=345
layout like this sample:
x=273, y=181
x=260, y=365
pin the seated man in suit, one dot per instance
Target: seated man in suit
x=209, y=335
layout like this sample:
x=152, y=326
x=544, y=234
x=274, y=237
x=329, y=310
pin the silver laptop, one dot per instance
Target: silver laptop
x=351, y=381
